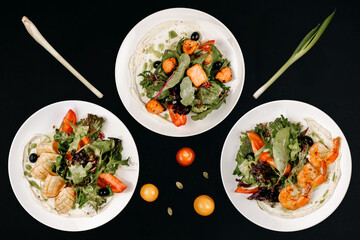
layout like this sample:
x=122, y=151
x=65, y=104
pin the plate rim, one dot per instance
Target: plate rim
x=134, y=155
x=319, y=219
x=241, y=63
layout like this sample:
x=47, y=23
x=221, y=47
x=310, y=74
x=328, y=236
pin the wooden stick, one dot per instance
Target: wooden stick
x=34, y=32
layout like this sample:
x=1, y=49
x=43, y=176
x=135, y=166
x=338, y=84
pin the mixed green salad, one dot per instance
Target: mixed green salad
x=190, y=77
x=80, y=158
x=269, y=158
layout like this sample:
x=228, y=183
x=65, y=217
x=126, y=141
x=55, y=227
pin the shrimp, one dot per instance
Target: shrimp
x=312, y=175
x=293, y=196
x=319, y=152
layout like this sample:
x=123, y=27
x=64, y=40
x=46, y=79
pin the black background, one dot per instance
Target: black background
x=89, y=35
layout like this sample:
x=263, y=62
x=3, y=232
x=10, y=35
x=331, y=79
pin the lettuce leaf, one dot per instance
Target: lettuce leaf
x=78, y=172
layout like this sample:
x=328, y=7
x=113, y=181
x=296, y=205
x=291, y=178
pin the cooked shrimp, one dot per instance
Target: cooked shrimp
x=334, y=153
x=293, y=197
x=312, y=175
x=65, y=200
x=52, y=186
x=319, y=152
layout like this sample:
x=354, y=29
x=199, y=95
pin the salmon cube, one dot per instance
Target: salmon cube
x=189, y=46
x=169, y=65
x=224, y=75
x=197, y=75
x=154, y=107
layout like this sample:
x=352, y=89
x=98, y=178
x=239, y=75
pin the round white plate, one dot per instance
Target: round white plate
x=211, y=29
x=294, y=111
x=41, y=122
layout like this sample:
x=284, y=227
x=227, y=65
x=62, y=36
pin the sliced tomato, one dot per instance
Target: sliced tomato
x=256, y=141
x=106, y=179
x=84, y=141
x=246, y=190
x=176, y=118
x=207, y=47
x=66, y=126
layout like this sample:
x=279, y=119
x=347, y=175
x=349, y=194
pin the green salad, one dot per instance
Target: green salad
x=76, y=165
x=191, y=77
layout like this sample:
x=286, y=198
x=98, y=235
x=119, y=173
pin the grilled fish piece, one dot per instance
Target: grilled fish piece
x=52, y=186
x=43, y=165
x=47, y=147
x=65, y=200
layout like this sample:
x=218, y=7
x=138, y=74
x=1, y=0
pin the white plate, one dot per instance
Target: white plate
x=211, y=29
x=41, y=122
x=294, y=111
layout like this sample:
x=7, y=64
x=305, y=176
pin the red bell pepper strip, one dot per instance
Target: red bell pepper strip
x=246, y=190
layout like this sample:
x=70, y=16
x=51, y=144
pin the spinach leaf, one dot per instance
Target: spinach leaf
x=281, y=151
x=184, y=62
x=187, y=91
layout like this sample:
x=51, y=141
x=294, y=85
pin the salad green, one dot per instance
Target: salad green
x=84, y=159
x=187, y=78
x=285, y=143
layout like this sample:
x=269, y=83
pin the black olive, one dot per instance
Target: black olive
x=247, y=156
x=195, y=36
x=33, y=157
x=103, y=192
x=217, y=65
x=306, y=140
x=156, y=64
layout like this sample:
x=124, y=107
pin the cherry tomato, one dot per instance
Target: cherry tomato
x=185, y=156
x=204, y=205
x=149, y=192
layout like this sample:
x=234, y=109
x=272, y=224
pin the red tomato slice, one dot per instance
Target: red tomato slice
x=246, y=190
x=116, y=185
x=176, y=118
x=69, y=117
x=256, y=141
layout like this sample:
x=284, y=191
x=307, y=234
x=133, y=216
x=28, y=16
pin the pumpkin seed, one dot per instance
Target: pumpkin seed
x=179, y=185
x=206, y=175
x=170, y=211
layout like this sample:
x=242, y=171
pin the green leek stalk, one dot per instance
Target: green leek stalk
x=305, y=45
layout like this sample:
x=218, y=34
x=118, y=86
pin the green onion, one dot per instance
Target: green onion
x=305, y=45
